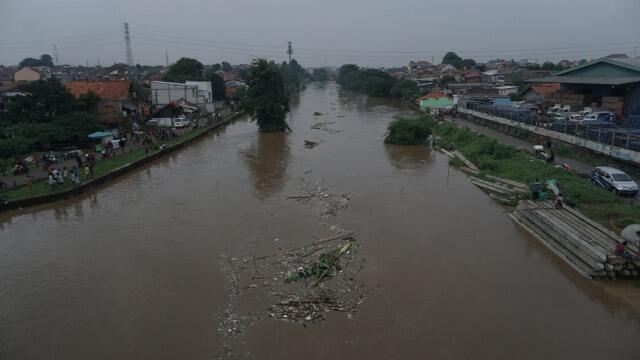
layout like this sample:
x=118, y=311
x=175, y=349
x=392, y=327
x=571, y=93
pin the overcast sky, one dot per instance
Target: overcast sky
x=325, y=32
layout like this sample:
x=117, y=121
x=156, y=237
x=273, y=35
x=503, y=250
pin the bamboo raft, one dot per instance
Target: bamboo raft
x=582, y=243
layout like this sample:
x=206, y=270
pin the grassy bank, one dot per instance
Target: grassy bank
x=493, y=158
x=101, y=168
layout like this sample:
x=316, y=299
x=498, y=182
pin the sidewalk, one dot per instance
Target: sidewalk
x=576, y=165
x=39, y=173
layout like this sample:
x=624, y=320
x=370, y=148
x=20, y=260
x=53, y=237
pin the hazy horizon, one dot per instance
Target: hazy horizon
x=330, y=33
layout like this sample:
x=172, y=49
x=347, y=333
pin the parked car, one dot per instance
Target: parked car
x=614, y=180
x=575, y=118
x=600, y=116
x=73, y=154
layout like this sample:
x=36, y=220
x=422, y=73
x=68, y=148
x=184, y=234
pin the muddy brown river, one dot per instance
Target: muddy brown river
x=133, y=270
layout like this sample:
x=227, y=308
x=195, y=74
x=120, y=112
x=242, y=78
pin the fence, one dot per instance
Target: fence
x=599, y=136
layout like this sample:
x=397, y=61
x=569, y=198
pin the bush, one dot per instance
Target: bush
x=409, y=131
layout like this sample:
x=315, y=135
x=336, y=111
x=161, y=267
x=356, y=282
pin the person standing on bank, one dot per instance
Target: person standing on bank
x=536, y=187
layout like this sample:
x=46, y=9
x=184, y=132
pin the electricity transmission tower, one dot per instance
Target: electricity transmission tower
x=290, y=51
x=127, y=41
x=55, y=54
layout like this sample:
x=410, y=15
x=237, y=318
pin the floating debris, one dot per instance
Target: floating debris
x=271, y=286
x=329, y=204
x=310, y=144
x=324, y=126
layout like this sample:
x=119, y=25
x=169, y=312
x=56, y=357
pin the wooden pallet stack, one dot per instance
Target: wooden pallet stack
x=584, y=244
x=613, y=103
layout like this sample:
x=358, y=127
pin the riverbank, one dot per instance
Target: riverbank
x=105, y=170
x=496, y=159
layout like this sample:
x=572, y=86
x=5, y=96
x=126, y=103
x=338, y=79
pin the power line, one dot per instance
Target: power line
x=418, y=52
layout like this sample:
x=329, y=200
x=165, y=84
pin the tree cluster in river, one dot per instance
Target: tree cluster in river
x=376, y=82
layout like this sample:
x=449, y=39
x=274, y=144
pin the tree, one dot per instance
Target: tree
x=369, y=81
x=31, y=62
x=46, y=60
x=446, y=80
x=215, y=67
x=266, y=99
x=226, y=66
x=468, y=63
x=548, y=65
x=217, y=85
x=294, y=76
x=452, y=59
x=409, y=130
x=46, y=99
x=185, y=69
x=87, y=102
x=406, y=89
x=320, y=75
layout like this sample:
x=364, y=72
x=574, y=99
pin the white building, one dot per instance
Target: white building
x=204, y=90
x=194, y=92
x=506, y=90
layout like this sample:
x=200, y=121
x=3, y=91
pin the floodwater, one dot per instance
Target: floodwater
x=132, y=271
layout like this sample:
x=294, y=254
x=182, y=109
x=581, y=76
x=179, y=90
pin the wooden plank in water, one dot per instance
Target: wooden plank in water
x=513, y=183
x=560, y=253
x=552, y=234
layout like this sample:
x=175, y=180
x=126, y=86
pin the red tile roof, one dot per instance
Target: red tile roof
x=433, y=95
x=106, y=90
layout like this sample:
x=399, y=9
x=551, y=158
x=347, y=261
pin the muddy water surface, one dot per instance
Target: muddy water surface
x=133, y=270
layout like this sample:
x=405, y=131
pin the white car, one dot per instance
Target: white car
x=615, y=180
x=575, y=118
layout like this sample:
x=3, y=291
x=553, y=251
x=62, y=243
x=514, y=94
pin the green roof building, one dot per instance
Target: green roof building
x=612, y=83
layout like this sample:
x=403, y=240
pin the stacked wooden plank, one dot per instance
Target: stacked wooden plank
x=502, y=190
x=584, y=244
x=613, y=103
x=566, y=97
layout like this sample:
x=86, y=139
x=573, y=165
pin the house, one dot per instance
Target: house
x=115, y=105
x=193, y=92
x=29, y=74
x=507, y=90
x=435, y=101
x=232, y=87
x=471, y=77
x=612, y=83
x=205, y=95
x=536, y=93
x=163, y=93
x=492, y=77
x=6, y=74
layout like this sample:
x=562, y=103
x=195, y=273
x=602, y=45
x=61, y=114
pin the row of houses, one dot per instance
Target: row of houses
x=608, y=84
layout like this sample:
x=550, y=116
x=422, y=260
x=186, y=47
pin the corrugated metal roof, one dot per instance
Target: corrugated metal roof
x=587, y=80
x=631, y=63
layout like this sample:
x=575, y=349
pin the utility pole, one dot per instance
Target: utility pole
x=290, y=51
x=166, y=57
x=55, y=54
x=127, y=41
